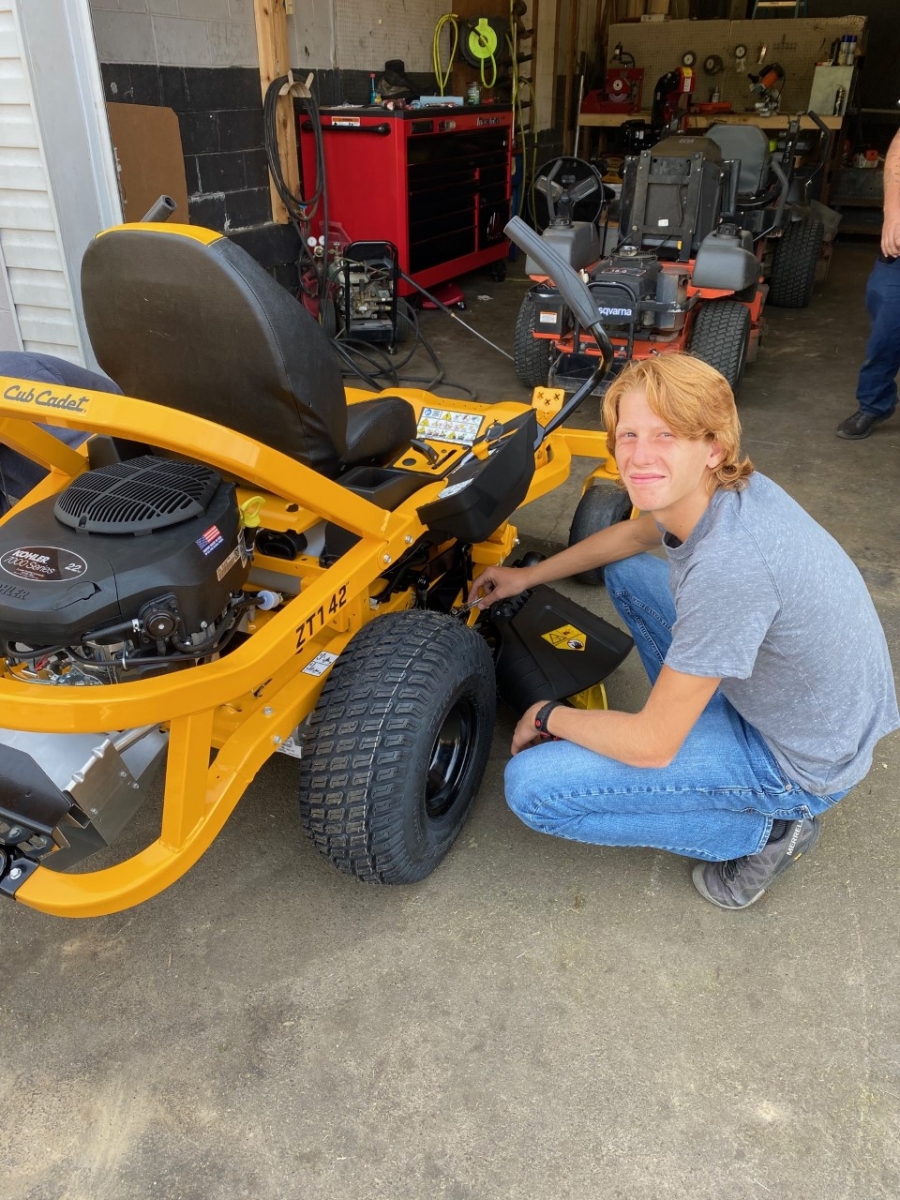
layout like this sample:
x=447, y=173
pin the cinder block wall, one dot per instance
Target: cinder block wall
x=199, y=57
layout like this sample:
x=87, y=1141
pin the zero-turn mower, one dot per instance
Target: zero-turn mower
x=708, y=228
x=244, y=559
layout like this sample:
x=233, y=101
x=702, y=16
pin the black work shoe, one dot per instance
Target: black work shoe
x=740, y=882
x=860, y=425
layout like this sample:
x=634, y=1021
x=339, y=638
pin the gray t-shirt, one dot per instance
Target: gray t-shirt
x=768, y=601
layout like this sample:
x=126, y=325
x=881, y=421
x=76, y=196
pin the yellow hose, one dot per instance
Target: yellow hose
x=440, y=75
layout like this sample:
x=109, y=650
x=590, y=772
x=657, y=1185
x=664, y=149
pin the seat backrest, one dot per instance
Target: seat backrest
x=183, y=317
x=749, y=145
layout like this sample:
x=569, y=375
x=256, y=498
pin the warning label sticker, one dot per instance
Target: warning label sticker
x=567, y=637
x=445, y=425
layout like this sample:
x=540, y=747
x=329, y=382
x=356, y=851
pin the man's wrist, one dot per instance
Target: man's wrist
x=542, y=716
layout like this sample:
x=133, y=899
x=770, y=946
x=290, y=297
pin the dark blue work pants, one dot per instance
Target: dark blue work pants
x=877, y=387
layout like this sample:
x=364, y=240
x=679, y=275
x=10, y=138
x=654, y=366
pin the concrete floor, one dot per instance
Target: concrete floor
x=537, y=1019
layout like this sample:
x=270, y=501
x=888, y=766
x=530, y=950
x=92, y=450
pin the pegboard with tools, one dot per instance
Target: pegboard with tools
x=797, y=45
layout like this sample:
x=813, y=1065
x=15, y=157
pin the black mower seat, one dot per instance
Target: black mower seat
x=750, y=146
x=183, y=317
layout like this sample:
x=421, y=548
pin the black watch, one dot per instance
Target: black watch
x=541, y=716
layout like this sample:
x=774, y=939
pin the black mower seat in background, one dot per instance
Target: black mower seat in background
x=750, y=146
x=185, y=318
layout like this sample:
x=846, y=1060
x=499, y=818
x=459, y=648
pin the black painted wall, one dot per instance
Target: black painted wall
x=220, y=116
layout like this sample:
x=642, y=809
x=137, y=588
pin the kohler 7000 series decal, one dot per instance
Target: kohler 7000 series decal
x=43, y=564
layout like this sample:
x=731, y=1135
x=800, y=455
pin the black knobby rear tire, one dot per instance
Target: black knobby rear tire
x=395, y=750
x=721, y=337
x=602, y=505
x=532, y=355
x=794, y=264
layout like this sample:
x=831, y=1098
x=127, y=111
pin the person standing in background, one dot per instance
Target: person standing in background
x=876, y=391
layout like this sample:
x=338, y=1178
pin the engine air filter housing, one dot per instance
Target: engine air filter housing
x=139, y=496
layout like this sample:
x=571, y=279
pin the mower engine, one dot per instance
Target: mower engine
x=134, y=570
x=636, y=295
x=659, y=299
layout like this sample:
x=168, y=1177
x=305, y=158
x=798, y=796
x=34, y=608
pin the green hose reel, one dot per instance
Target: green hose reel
x=479, y=45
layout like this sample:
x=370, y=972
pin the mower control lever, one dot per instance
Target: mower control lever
x=578, y=296
x=423, y=447
x=160, y=210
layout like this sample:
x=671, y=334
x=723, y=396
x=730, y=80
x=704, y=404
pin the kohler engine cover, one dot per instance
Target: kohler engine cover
x=116, y=538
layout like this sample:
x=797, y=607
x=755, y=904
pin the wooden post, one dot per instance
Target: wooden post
x=546, y=25
x=571, y=49
x=275, y=61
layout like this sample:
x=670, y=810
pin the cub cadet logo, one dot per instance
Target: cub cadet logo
x=45, y=398
x=614, y=312
x=567, y=637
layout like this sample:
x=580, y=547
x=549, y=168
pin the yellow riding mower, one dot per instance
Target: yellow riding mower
x=244, y=559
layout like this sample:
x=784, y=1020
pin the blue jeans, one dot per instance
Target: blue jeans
x=716, y=800
x=876, y=390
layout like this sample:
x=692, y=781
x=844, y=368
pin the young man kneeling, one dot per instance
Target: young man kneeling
x=771, y=680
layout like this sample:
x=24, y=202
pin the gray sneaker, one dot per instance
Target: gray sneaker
x=740, y=882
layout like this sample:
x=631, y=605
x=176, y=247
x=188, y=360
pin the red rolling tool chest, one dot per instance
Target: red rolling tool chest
x=434, y=181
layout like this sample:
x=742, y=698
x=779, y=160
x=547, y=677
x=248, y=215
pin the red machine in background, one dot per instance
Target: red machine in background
x=621, y=92
x=433, y=181
x=672, y=97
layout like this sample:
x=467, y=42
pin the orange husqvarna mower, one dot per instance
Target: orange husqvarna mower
x=709, y=227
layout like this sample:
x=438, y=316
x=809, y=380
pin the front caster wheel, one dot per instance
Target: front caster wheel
x=394, y=752
x=602, y=505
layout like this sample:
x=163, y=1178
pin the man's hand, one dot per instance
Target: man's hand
x=497, y=583
x=525, y=733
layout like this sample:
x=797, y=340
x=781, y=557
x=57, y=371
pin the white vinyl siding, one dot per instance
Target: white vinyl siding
x=36, y=278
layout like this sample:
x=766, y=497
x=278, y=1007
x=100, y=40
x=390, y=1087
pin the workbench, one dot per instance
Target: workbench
x=697, y=122
x=700, y=121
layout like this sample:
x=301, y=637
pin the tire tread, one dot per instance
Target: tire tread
x=359, y=738
x=794, y=266
x=720, y=337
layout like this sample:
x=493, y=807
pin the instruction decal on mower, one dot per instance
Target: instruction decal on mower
x=43, y=564
x=320, y=664
x=445, y=425
x=567, y=637
x=316, y=619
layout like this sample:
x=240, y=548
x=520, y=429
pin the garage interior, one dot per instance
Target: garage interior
x=537, y=1017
